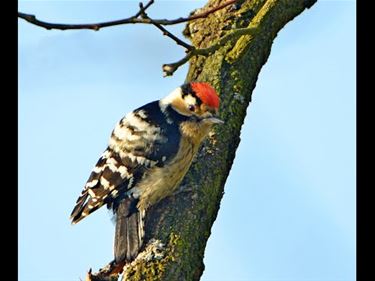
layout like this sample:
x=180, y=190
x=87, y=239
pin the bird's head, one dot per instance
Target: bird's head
x=196, y=102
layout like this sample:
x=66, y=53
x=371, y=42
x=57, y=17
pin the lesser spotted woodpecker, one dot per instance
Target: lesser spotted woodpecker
x=149, y=152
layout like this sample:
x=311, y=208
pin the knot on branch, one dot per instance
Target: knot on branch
x=154, y=251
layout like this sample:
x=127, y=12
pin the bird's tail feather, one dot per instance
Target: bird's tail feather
x=129, y=231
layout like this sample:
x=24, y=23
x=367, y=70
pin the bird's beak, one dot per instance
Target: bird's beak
x=214, y=120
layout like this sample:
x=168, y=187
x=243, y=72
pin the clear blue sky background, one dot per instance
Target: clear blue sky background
x=288, y=213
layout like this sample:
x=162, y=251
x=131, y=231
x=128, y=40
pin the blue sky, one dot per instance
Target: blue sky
x=288, y=212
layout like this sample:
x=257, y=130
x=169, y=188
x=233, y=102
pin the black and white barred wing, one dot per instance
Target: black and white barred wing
x=141, y=140
x=102, y=186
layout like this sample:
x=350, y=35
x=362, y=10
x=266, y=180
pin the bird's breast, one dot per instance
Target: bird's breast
x=160, y=182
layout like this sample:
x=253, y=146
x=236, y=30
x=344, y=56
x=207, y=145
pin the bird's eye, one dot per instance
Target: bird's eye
x=191, y=107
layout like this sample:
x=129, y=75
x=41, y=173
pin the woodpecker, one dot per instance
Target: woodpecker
x=149, y=153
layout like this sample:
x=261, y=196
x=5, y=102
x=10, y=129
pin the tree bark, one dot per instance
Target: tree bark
x=183, y=222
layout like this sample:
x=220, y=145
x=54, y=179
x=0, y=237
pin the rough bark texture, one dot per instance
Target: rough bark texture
x=183, y=222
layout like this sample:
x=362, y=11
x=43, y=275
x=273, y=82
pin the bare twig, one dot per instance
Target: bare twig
x=198, y=16
x=134, y=19
x=170, y=68
x=170, y=35
x=165, y=31
x=143, y=9
x=93, y=26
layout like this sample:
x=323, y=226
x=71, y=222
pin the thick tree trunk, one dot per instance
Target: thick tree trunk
x=183, y=222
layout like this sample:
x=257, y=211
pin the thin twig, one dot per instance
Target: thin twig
x=134, y=19
x=176, y=39
x=144, y=15
x=143, y=9
x=93, y=26
x=199, y=16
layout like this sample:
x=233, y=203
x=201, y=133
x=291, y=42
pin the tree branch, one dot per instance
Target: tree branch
x=141, y=17
x=131, y=20
x=170, y=68
x=93, y=26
